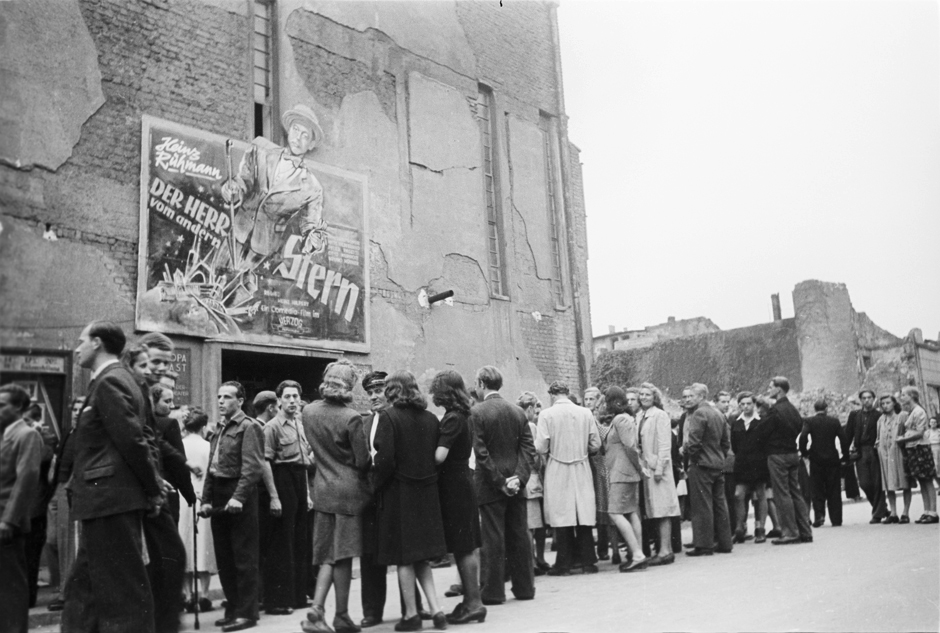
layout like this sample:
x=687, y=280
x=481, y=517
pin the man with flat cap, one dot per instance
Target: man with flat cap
x=273, y=186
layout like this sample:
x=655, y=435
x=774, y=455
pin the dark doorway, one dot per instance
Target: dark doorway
x=257, y=371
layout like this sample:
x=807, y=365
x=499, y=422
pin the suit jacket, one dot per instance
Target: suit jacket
x=709, y=438
x=20, y=449
x=780, y=429
x=824, y=431
x=502, y=445
x=750, y=458
x=863, y=428
x=112, y=471
x=267, y=206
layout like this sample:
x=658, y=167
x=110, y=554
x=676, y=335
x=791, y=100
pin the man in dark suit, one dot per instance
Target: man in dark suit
x=707, y=447
x=113, y=482
x=862, y=431
x=504, y=451
x=230, y=495
x=825, y=463
x=778, y=436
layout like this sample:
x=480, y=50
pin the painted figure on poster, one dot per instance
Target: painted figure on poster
x=272, y=186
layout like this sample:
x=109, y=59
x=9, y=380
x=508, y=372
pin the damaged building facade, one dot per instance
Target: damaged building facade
x=444, y=163
x=826, y=348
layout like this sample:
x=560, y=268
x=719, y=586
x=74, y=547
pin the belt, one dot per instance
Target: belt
x=569, y=463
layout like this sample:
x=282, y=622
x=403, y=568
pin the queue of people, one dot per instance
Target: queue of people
x=280, y=504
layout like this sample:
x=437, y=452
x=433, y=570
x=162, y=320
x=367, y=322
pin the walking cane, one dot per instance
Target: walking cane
x=196, y=566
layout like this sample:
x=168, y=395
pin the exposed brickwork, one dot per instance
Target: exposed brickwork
x=551, y=344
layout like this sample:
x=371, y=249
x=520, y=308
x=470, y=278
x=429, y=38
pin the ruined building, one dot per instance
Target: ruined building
x=826, y=347
x=442, y=155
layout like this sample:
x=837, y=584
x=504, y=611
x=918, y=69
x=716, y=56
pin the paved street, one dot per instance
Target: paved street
x=859, y=577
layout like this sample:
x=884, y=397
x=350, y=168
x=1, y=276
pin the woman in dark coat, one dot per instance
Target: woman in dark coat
x=458, y=499
x=409, y=513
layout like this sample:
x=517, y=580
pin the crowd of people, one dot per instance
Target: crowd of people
x=140, y=504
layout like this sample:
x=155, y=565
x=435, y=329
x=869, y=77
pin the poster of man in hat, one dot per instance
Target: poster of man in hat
x=251, y=241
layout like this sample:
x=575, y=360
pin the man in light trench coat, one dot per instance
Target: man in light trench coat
x=567, y=435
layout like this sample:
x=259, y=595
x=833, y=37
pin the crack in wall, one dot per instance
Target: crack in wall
x=443, y=170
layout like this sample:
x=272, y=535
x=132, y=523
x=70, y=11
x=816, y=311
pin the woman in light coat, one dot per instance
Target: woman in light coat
x=891, y=458
x=662, y=502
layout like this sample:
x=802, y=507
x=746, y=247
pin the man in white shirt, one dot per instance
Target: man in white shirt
x=750, y=468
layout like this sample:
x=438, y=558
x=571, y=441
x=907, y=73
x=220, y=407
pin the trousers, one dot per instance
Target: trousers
x=868, y=468
x=166, y=568
x=14, y=586
x=236, y=550
x=287, y=552
x=505, y=540
x=710, y=520
x=791, y=508
x=575, y=546
x=827, y=490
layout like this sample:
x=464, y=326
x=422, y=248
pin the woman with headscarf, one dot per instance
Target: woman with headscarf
x=410, y=527
x=459, y=511
x=340, y=492
x=624, y=477
x=655, y=439
x=918, y=459
x=893, y=477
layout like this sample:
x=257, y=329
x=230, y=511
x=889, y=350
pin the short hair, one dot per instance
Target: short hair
x=746, y=394
x=722, y=393
x=861, y=394
x=449, y=391
x=782, y=382
x=897, y=405
x=239, y=390
x=286, y=384
x=374, y=379
x=401, y=390
x=132, y=353
x=527, y=399
x=157, y=340
x=699, y=389
x=820, y=405
x=196, y=418
x=156, y=391
x=912, y=392
x=657, y=394
x=592, y=390
x=19, y=397
x=265, y=401
x=111, y=335
x=490, y=377
x=559, y=387
x=343, y=370
x=616, y=399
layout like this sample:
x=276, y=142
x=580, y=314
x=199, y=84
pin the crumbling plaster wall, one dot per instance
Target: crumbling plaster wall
x=423, y=156
x=825, y=327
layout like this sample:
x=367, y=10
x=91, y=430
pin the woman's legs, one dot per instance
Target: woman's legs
x=324, y=581
x=628, y=530
x=929, y=494
x=423, y=572
x=468, y=566
x=406, y=583
x=892, y=502
x=342, y=579
x=907, y=501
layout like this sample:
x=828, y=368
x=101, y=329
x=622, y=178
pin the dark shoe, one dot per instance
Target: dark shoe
x=774, y=534
x=604, y=556
x=688, y=545
x=239, y=624
x=615, y=557
x=819, y=523
x=278, y=611
x=786, y=541
x=224, y=621
x=874, y=520
x=424, y=614
x=492, y=603
x=409, y=624
x=643, y=565
x=205, y=605
x=748, y=537
x=806, y=539
x=555, y=571
x=658, y=560
x=56, y=605
x=759, y=537
x=342, y=623
x=933, y=518
x=461, y=615
x=455, y=590
x=440, y=621
x=541, y=564
x=904, y=519
x=537, y=571
x=722, y=550
x=890, y=519
x=699, y=551
x=738, y=537
x=370, y=620
x=590, y=569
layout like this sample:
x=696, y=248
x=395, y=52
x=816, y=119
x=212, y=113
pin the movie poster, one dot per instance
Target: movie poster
x=246, y=242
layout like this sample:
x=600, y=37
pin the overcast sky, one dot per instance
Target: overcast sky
x=734, y=149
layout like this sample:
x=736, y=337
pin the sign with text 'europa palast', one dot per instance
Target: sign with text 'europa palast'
x=244, y=242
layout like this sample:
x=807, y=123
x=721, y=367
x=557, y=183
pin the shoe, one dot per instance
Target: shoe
x=538, y=572
x=205, y=605
x=874, y=520
x=836, y=525
x=424, y=614
x=774, y=534
x=748, y=537
x=806, y=539
x=555, y=571
x=278, y=611
x=464, y=616
x=643, y=565
x=440, y=563
x=658, y=560
x=688, y=545
x=370, y=620
x=56, y=605
x=786, y=541
x=439, y=619
x=893, y=518
x=699, y=551
x=409, y=624
x=541, y=564
x=904, y=519
x=239, y=624
x=492, y=603
x=759, y=537
x=342, y=623
x=604, y=556
x=224, y=621
x=738, y=537
x=589, y=569
x=819, y=523
x=615, y=557
x=722, y=550
x=320, y=626
x=455, y=590
x=933, y=518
